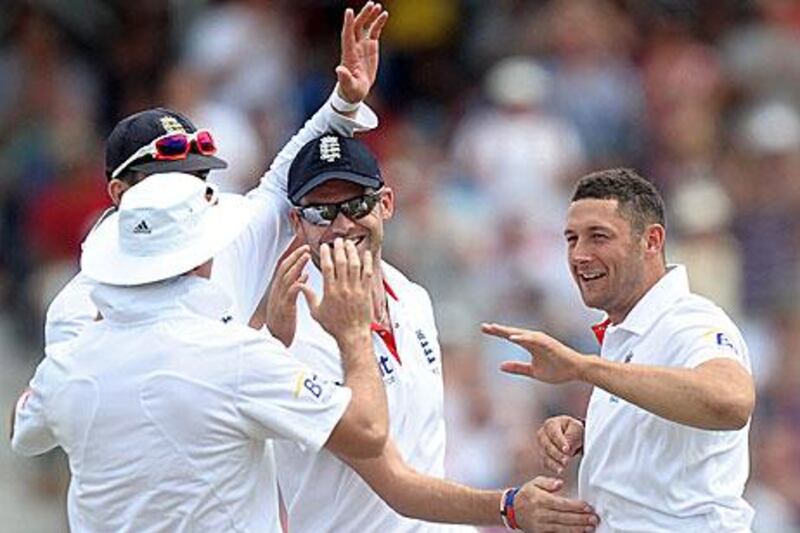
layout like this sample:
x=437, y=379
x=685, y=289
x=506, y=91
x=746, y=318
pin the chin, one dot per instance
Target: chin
x=592, y=301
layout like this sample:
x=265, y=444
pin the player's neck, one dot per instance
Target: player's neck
x=380, y=304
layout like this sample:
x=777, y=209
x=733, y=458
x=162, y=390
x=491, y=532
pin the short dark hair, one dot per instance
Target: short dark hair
x=639, y=200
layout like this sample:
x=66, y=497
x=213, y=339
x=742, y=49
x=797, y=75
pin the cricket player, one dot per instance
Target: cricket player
x=338, y=191
x=163, y=409
x=665, y=440
x=162, y=140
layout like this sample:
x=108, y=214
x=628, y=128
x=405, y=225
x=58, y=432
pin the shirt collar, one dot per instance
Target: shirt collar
x=184, y=293
x=672, y=286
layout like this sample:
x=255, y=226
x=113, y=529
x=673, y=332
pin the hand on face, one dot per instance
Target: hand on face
x=360, y=51
x=551, y=361
x=539, y=508
x=288, y=281
x=346, y=306
x=560, y=438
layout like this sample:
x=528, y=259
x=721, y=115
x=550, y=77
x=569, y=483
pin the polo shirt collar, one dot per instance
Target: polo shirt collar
x=178, y=295
x=670, y=288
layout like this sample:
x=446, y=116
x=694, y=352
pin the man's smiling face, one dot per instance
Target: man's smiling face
x=606, y=257
x=366, y=232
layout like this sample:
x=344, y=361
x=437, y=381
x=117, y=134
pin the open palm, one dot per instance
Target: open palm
x=551, y=361
x=360, y=42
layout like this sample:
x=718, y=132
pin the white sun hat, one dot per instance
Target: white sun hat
x=166, y=225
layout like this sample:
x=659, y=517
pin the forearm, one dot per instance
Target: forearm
x=364, y=427
x=689, y=396
x=439, y=500
x=416, y=495
x=325, y=119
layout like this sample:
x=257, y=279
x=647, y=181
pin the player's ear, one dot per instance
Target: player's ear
x=387, y=203
x=655, y=236
x=294, y=218
x=115, y=189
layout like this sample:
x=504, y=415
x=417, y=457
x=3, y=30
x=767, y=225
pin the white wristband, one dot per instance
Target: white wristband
x=340, y=104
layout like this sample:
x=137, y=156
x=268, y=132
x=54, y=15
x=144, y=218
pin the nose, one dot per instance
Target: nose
x=579, y=253
x=341, y=225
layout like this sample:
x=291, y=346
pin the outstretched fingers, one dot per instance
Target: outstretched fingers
x=499, y=330
x=516, y=367
x=348, y=30
x=377, y=26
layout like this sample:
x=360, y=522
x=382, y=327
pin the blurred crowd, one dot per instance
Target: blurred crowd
x=489, y=111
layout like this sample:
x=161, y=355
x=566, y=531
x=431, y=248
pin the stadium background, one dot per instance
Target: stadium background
x=489, y=111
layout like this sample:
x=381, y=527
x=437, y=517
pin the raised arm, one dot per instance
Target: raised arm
x=252, y=258
x=415, y=495
x=343, y=112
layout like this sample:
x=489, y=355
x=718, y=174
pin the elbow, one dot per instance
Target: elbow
x=742, y=411
x=735, y=412
x=372, y=441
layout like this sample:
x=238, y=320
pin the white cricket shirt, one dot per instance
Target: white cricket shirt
x=164, y=409
x=321, y=492
x=244, y=268
x=641, y=472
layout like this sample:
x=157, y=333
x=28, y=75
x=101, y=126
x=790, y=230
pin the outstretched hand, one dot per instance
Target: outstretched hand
x=358, y=65
x=551, y=361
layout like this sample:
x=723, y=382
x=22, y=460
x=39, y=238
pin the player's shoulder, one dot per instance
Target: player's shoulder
x=258, y=342
x=403, y=287
x=693, y=308
x=74, y=294
x=694, y=313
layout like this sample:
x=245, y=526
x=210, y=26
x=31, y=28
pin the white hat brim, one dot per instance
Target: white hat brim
x=104, y=260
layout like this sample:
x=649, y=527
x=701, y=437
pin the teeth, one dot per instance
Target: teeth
x=593, y=276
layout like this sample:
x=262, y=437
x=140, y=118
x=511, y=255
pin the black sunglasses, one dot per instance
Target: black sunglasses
x=325, y=214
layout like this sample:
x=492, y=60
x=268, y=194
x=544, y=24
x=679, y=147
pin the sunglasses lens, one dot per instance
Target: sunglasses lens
x=359, y=207
x=316, y=216
x=172, y=146
x=205, y=142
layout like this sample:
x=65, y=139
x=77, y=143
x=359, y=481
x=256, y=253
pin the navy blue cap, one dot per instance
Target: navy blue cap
x=140, y=129
x=332, y=157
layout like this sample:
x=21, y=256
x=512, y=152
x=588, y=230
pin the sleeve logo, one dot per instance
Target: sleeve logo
x=724, y=342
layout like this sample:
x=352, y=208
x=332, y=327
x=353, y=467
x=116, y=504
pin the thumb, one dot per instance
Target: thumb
x=516, y=367
x=345, y=78
x=548, y=483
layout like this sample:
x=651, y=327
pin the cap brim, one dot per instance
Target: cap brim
x=103, y=259
x=316, y=181
x=192, y=163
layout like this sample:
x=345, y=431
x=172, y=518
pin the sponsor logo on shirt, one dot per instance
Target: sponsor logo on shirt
x=724, y=342
x=721, y=341
x=386, y=364
x=311, y=385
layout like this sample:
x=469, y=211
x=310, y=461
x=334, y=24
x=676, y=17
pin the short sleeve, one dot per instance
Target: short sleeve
x=279, y=397
x=32, y=434
x=70, y=311
x=720, y=340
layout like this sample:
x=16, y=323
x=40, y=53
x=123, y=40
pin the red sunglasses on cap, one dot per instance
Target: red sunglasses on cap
x=171, y=147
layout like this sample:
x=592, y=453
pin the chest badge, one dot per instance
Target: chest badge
x=625, y=360
x=426, y=347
